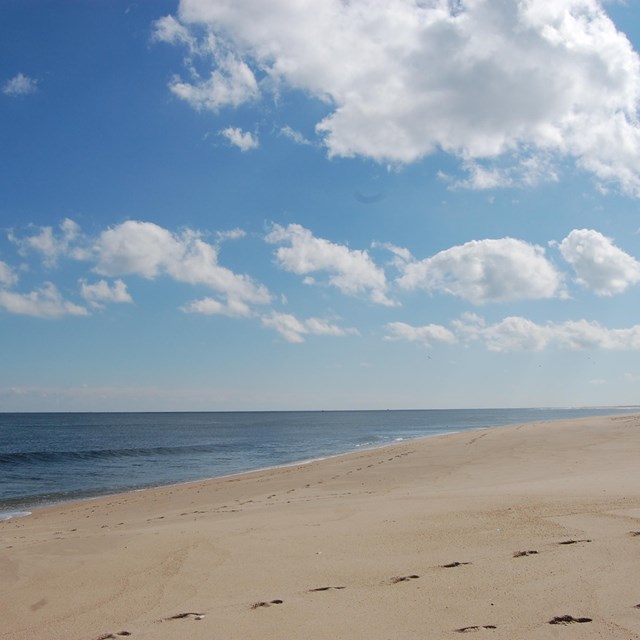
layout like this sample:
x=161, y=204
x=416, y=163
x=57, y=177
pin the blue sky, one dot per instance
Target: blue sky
x=239, y=204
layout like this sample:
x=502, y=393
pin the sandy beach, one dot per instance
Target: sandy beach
x=527, y=531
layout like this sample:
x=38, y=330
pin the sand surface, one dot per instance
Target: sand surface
x=490, y=533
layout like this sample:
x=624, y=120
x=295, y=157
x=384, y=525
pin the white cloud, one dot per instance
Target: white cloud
x=484, y=271
x=45, y=302
x=401, y=255
x=521, y=334
x=141, y=248
x=424, y=335
x=231, y=234
x=598, y=263
x=211, y=306
x=244, y=140
x=148, y=250
x=169, y=30
x=478, y=79
x=294, y=135
x=51, y=245
x=516, y=333
x=20, y=85
x=351, y=271
x=8, y=276
x=102, y=292
x=524, y=170
x=294, y=330
x=231, y=83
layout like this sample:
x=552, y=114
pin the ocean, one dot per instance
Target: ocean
x=48, y=458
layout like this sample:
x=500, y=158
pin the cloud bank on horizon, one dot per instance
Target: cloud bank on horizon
x=509, y=89
x=480, y=272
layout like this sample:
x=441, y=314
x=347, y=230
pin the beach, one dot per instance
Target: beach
x=525, y=531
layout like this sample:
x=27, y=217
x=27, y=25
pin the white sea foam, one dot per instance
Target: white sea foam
x=9, y=515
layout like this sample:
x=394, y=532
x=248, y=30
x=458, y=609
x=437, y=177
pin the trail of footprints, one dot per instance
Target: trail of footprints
x=270, y=498
x=565, y=619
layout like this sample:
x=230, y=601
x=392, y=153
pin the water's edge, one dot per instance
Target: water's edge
x=27, y=508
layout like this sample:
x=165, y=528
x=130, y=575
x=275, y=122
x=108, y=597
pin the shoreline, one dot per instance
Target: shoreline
x=42, y=500
x=26, y=509
x=30, y=509
x=494, y=530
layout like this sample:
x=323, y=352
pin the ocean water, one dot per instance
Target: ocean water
x=55, y=457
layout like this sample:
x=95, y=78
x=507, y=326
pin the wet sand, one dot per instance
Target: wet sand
x=528, y=531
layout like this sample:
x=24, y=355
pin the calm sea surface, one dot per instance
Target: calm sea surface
x=53, y=457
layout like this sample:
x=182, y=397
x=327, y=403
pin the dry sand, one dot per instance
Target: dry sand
x=491, y=533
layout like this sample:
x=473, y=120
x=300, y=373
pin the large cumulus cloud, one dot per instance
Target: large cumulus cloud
x=508, y=87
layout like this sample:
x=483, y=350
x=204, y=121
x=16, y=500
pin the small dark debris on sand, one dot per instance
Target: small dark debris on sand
x=521, y=554
x=567, y=620
x=451, y=565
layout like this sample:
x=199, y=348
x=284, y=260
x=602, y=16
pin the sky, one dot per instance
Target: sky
x=211, y=205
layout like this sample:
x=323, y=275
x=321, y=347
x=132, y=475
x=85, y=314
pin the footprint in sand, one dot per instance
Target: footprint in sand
x=522, y=554
x=112, y=636
x=183, y=616
x=573, y=541
x=325, y=589
x=397, y=579
x=634, y=533
x=451, y=565
x=567, y=620
x=258, y=605
x=476, y=628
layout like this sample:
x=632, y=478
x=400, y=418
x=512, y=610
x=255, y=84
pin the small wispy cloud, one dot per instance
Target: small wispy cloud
x=20, y=85
x=231, y=234
x=8, y=276
x=45, y=302
x=244, y=140
x=294, y=136
x=102, y=292
x=232, y=308
x=424, y=335
x=52, y=244
x=293, y=330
